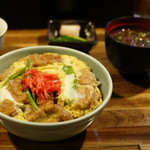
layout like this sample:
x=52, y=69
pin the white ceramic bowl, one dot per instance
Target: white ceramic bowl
x=60, y=130
x=3, y=29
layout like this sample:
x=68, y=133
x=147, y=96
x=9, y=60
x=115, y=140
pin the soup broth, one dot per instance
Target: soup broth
x=131, y=35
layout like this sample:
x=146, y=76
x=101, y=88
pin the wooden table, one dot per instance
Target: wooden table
x=123, y=125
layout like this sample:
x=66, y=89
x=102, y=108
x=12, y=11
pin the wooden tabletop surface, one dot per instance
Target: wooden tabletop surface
x=123, y=125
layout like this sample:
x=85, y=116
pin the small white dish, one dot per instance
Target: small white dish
x=3, y=29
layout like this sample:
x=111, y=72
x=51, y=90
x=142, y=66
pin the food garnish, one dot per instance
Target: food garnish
x=32, y=102
x=15, y=75
x=67, y=38
x=31, y=95
x=42, y=84
x=69, y=70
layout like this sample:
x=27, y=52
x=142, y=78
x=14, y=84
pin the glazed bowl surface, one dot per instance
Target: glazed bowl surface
x=128, y=59
x=61, y=130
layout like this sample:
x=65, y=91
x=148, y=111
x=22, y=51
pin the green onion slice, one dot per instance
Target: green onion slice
x=31, y=95
x=69, y=70
x=32, y=102
x=16, y=75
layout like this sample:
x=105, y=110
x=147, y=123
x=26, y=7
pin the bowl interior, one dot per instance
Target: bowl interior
x=128, y=21
x=99, y=70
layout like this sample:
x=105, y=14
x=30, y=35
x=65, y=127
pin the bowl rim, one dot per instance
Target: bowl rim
x=5, y=23
x=69, y=122
x=120, y=18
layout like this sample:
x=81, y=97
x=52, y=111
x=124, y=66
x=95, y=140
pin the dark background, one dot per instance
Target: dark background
x=35, y=14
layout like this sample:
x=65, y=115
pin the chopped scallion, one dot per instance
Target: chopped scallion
x=31, y=95
x=32, y=102
x=69, y=70
x=15, y=75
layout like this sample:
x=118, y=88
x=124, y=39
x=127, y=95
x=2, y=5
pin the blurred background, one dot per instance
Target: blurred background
x=35, y=14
